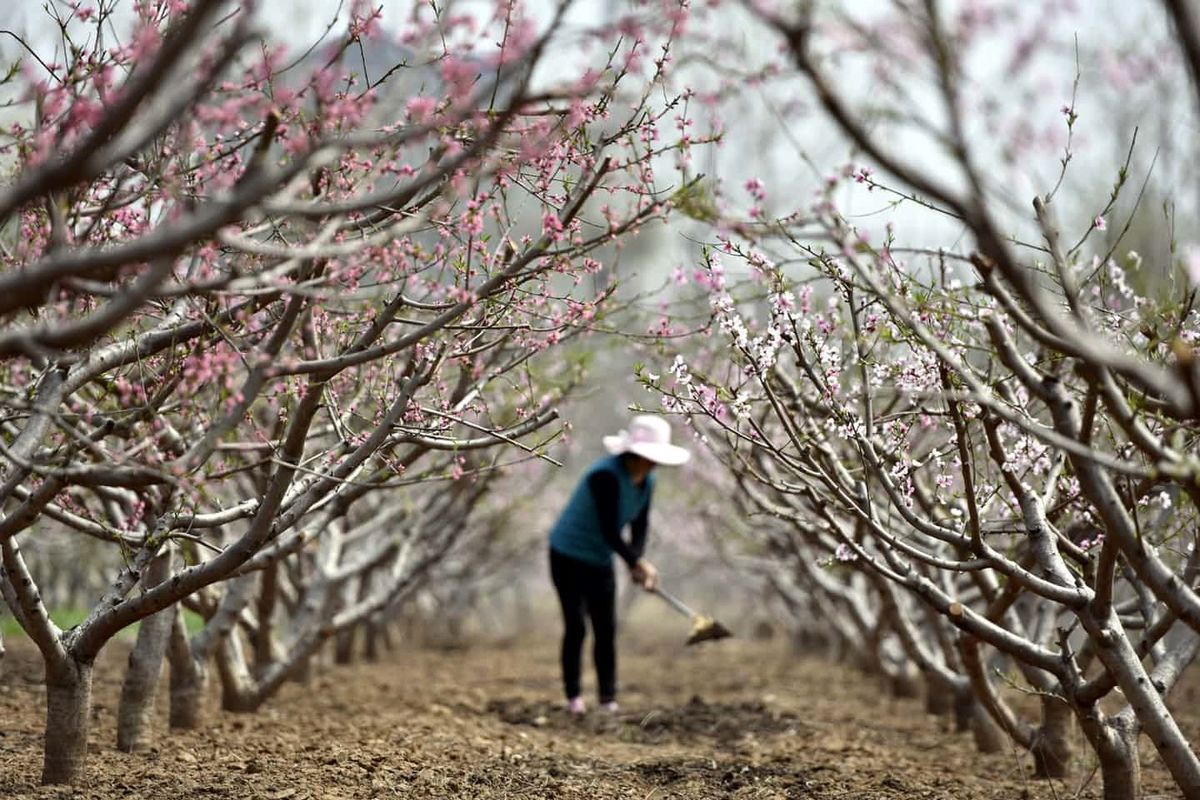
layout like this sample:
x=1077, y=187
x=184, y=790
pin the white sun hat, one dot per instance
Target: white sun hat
x=650, y=438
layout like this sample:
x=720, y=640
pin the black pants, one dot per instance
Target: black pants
x=585, y=588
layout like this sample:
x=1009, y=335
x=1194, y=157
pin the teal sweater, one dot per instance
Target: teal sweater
x=604, y=501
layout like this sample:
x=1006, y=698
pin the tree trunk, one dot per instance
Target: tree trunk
x=989, y=737
x=344, y=645
x=237, y=684
x=372, y=636
x=145, y=666
x=994, y=723
x=346, y=638
x=904, y=683
x=939, y=697
x=1120, y=769
x=301, y=655
x=965, y=707
x=303, y=671
x=265, y=649
x=242, y=692
x=189, y=679
x=1052, y=746
x=1123, y=663
x=385, y=635
x=68, y=711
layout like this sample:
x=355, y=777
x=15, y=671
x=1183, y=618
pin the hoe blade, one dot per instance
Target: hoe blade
x=705, y=629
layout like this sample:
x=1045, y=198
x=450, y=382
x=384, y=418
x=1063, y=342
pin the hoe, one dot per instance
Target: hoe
x=704, y=628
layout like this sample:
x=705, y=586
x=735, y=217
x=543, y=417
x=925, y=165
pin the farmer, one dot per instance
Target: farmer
x=615, y=491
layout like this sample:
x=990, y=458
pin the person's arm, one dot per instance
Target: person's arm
x=644, y=573
x=637, y=530
x=607, y=494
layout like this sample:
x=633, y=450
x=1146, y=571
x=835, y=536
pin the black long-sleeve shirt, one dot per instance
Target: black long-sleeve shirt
x=606, y=493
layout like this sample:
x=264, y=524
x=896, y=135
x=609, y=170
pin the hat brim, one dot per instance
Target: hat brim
x=668, y=455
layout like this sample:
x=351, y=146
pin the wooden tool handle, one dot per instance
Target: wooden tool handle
x=675, y=602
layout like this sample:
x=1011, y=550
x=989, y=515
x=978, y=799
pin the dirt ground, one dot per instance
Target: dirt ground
x=734, y=719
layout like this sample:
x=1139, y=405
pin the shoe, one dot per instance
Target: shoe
x=610, y=707
x=576, y=706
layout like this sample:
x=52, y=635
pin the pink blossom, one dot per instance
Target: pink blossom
x=364, y=20
x=757, y=189
x=459, y=75
x=552, y=226
x=844, y=553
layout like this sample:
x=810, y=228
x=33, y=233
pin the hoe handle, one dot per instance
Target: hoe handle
x=675, y=602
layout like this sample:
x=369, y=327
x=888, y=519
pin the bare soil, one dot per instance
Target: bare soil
x=733, y=719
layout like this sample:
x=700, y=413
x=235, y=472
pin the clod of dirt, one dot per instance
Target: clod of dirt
x=777, y=778
x=725, y=723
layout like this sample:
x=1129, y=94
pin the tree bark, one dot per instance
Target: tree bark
x=372, y=636
x=189, y=679
x=68, y=711
x=1120, y=769
x=265, y=649
x=347, y=637
x=238, y=686
x=994, y=722
x=1052, y=745
x=145, y=666
x=344, y=645
x=965, y=707
x=1123, y=663
x=989, y=737
x=385, y=635
x=303, y=671
x=904, y=682
x=243, y=692
x=939, y=697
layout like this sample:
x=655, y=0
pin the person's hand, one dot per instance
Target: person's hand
x=645, y=574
